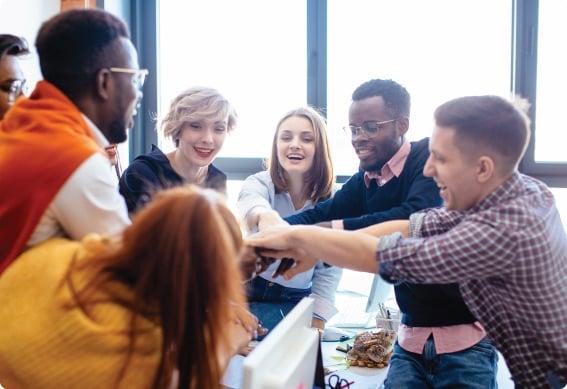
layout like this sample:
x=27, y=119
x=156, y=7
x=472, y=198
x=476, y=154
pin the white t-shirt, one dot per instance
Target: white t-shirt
x=88, y=202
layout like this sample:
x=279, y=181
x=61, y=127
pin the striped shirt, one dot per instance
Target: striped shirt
x=509, y=255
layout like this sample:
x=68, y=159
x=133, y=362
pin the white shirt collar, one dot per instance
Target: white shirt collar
x=99, y=137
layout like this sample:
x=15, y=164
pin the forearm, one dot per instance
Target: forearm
x=253, y=217
x=387, y=228
x=346, y=249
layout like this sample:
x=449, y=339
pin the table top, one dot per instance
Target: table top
x=363, y=377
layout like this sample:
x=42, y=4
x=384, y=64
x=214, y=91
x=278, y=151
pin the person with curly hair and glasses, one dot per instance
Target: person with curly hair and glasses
x=12, y=81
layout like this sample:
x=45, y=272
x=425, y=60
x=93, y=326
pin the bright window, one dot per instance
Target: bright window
x=438, y=50
x=253, y=52
x=551, y=135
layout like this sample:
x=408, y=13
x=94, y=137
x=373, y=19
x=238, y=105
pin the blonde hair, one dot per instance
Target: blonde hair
x=320, y=178
x=196, y=103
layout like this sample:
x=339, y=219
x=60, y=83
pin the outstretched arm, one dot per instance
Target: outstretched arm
x=387, y=228
x=254, y=204
x=347, y=249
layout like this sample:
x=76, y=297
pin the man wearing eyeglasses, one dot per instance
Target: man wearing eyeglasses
x=440, y=343
x=12, y=81
x=56, y=178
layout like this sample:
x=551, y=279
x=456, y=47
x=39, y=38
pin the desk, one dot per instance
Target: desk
x=363, y=377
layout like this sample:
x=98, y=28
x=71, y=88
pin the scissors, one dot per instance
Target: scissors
x=336, y=382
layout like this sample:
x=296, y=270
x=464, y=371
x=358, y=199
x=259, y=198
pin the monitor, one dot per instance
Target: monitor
x=287, y=356
x=379, y=292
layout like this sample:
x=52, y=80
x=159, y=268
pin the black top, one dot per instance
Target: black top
x=358, y=206
x=151, y=172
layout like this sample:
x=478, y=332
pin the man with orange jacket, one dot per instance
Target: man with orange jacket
x=55, y=176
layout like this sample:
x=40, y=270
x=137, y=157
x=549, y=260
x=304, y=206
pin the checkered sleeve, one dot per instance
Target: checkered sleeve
x=433, y=221
x=471, y=250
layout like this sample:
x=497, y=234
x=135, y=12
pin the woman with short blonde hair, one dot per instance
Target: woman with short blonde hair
x=197, y=122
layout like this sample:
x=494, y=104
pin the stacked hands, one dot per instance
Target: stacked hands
x=271, y=244
x=259, y=252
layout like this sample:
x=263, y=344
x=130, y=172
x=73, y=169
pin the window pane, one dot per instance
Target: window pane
x=253, y=52
x=437, y=50
x=551, y=133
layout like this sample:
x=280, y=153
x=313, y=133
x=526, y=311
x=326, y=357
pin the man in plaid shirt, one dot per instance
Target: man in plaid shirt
x=499, y=235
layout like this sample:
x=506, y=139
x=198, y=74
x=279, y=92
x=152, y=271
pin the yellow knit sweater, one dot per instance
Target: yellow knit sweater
x=46, y=343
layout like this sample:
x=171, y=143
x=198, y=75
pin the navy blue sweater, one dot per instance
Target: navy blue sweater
x=359, y=207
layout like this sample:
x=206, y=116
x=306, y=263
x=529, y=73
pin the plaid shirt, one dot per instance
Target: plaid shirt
x=509, y=255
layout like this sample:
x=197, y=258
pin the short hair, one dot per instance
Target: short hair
x=196, y=102
x=320, y=178
x=12, y=45
x=396, y=98
x=74, y=45
x=487, y=124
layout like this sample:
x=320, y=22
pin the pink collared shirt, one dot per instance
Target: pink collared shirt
x=449, y=339
x=392, y=168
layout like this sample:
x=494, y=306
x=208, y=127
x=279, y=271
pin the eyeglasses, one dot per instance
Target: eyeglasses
x=14, y=88
x=369, y=128
x=138, y=75
x=336, y=382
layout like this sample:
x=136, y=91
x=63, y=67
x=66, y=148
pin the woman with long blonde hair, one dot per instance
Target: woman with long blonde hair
x=135, y=311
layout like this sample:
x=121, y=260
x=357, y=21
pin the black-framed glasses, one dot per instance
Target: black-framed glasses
x=336, y=382
x=14, y=88
x=138, y=75
x=370, y=127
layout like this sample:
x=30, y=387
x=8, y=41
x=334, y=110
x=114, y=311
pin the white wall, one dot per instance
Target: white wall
x=23, y=18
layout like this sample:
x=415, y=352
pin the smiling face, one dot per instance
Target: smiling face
x=296, y=145
x=375, y=150
x=456, y=175
x=201, y=139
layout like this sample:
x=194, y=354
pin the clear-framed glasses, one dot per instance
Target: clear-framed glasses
x=369, y=128
x=14, y=88
x=138, y=75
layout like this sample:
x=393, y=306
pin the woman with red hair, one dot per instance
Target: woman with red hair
x=159, y=306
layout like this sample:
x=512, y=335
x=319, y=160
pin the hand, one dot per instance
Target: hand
x=249, y=321
x=279, y=242
x=251, y=263
x=245, y=318
x=269, y=219
x=240, y=339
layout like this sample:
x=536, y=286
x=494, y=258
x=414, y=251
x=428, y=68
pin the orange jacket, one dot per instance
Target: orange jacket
x=43, y=140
